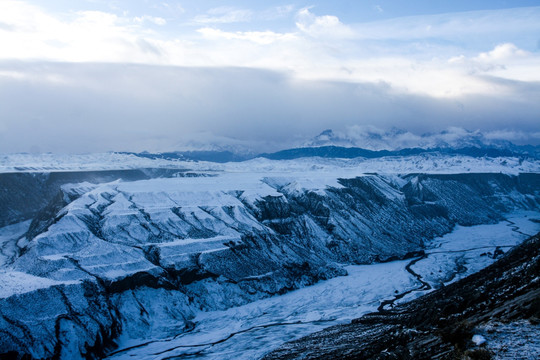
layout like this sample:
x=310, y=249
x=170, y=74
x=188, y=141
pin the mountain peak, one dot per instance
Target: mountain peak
x=373, y=138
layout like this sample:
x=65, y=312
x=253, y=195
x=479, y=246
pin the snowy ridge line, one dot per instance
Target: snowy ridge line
x=25, y=283
x=422, y=163
x=80, y=162
x=189, y=241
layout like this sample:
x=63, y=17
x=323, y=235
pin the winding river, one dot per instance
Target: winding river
x=250, y=331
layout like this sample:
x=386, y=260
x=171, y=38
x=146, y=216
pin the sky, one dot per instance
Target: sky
x=133, y=75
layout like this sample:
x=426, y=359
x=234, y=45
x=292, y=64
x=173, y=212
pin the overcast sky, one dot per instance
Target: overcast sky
x=84, y=76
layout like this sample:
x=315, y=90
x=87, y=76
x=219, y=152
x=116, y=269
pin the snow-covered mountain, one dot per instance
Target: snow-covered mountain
x=375, y=139
x=97, y=251
x=368, y=142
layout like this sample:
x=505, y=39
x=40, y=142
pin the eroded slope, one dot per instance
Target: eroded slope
x=111, y=258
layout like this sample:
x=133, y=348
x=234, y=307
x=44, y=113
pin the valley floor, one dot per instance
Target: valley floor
x=252, y=330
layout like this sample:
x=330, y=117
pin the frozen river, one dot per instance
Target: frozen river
x=250, y=331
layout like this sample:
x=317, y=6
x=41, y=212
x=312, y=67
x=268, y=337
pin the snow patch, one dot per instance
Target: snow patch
x=432, y=163
x=16, y=282
x=478, y=340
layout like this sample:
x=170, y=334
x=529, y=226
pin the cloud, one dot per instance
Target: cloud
x=258, y=37
x=375, y=138
x=515, y=136
x=284, y=9
x=109, y=75
x=322, y=26
x=173, y=9
x=502, y=52
x=84, y=36
x=505, y=61
x=430, y=55
x=224, y=15
x=6, y=27
x=64, y=107
x=378, y=8
x=486, y=25
x=153, y=19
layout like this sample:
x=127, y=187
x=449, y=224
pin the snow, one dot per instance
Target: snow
x=250, y=331
x=301, y=183
x=9, y=235
x=373, y=138
x=429, y=163
x=219, y=239
x=77, y=188
x=77, y=162
x=467, y=250
x=478, y=340
x=300, y=312
x=15, y=283
x=510, y=341
x=435, y=163
x=55, y=257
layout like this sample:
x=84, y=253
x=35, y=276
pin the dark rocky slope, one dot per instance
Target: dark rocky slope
x=439, y=325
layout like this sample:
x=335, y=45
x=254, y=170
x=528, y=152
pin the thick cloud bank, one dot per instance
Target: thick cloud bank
x=85, y=107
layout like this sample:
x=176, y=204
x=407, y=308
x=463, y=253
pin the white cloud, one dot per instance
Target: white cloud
x=275, y=13
x=258, y=37
x=502, y=52
x=224, y=15
x=153, y=19
x=504, y=61
x=426, y=72
x=322, y=26
x=284, y=9
x=78, y=36
x=12, y=74
x=485, y=25
x=174, y=9
x=515, y=136
x=401, y=53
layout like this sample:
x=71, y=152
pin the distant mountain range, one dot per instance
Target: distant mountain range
x=371, y=144
x=372, y=138
x=198, y=155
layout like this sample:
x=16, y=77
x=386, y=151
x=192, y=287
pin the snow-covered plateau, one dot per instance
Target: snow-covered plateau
x=421, y=163
x=120, y=256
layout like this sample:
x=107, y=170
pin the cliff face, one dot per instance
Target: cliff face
x=103, y=259
x=449, y=323
x=23, y=195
